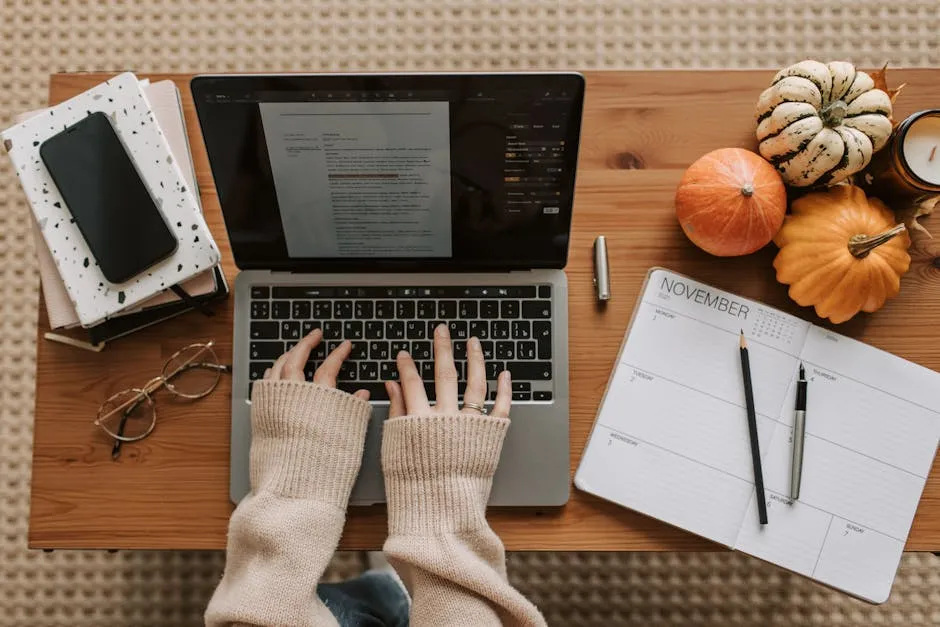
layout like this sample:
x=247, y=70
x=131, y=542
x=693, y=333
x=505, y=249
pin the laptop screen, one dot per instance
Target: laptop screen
x=340, y=172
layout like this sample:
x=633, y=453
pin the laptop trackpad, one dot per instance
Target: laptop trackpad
x=370, y=486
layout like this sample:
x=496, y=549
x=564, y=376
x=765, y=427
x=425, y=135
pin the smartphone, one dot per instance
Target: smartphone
x=107, y=198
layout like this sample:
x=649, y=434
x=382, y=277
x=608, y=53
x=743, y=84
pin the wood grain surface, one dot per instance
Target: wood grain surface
x=641, y=130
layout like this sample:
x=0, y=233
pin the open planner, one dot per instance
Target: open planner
x=671, y=439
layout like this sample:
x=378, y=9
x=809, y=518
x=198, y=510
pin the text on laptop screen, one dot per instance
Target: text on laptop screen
x=432, y=170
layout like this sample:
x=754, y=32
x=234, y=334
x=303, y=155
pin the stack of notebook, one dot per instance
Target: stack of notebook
x=96, y=316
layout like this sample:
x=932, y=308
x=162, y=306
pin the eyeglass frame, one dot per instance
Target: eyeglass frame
x=145, y=393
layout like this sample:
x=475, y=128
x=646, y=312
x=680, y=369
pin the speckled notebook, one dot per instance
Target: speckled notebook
x=94, y=297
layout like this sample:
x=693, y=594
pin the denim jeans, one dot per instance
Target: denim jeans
x=374, y=599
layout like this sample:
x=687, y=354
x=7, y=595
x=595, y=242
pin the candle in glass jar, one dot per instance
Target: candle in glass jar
x=921, y=148
x=909, y=166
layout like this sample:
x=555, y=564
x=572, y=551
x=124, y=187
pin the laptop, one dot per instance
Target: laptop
x=377, y=206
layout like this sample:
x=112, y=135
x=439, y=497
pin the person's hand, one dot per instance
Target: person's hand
x=409, y=398
x=290, y=365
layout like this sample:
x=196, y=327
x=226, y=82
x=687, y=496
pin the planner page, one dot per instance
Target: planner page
x=872, y=429
x=671, y=438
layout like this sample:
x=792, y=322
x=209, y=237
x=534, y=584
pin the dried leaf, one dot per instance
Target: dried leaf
x=919, y=208
x=881, y=82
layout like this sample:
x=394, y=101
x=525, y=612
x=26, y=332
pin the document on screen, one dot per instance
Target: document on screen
x=361, y=179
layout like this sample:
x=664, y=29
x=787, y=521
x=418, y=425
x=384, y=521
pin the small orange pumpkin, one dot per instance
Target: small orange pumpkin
x=731, y=202
x=841, y=252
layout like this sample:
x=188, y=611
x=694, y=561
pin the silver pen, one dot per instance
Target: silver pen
x=799, y=435
x=601, y=269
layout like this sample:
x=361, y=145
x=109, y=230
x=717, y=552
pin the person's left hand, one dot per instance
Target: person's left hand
x=290, y=365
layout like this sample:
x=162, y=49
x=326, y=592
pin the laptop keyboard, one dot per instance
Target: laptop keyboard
x=513, y=324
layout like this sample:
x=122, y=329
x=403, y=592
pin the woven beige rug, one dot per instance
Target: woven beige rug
x=172, y=588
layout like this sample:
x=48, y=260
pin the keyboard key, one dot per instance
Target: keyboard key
x=385, y=309
x=364, y=309
x=394, y=330
x=318, y=353
x=405, y=309
x=260, y=292
x=322, y=309
x=521, y=386
x=505, y=350
x=348, y=371
x=461, y=376
x=427, y=370
x=509, y=308
x=537, y=309
x=521, y=330
x=265, y=350
x=525, y=350
x=263, y=331
x=388, y=371
x=360, y=350
x=260, y=310
x=376, y=389
x=499, y=329
x=433, y=325
x=493, y=395
x=542, y=396
x=307, y=327
x=430, y=390
x=310, y=369
x=522, y=396
x=378, y=350
x=545, y=291
x=289, y=345
x=375, y=330
x=467, y=309
x=290, y=330
x=530, y=370
x=460, y=350
x=488, y=349
x=343, y=309
x=368, y=371
x=447, y=309
x=421, y=350
x=542, y=332
x=332, y=329
x=352, y=330
x=280, y=309
x=332, y=345
x=300, y=309
x=256, y=369
x=406, y=292
x=489, y=309
x=300, y=291
x=458, y=329
x=397, y=347
x=479, y=329
x=427, y=309
x=414, y=330
x=493, y=368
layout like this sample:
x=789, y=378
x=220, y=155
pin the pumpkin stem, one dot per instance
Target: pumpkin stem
x=834, y=113
x=747, y=190
x=860, y=245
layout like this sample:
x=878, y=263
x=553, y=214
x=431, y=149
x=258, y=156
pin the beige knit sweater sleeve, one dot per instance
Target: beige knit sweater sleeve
x=438, y=474
x=306, y=449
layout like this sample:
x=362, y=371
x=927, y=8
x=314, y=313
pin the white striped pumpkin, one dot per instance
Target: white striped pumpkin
x=819, y=123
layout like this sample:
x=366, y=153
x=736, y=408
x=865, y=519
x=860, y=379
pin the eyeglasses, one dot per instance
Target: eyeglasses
x=191, y=373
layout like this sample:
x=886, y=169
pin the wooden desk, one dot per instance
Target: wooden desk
x=641, y=130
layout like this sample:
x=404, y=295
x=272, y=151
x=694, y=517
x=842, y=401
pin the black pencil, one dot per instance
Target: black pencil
x=752, y=429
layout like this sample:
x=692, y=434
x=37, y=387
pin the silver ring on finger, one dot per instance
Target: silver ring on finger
x=479, y=408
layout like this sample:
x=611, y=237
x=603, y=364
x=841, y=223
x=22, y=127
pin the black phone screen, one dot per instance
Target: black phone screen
x=111, y=205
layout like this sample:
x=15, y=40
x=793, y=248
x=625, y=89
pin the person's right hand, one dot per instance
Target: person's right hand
x=409, y=398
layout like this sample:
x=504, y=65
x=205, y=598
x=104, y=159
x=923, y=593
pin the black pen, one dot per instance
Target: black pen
x=752, y=429
x=799, y=435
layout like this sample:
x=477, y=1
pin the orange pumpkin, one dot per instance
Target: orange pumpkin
x=841, y=252
x=731, y=202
